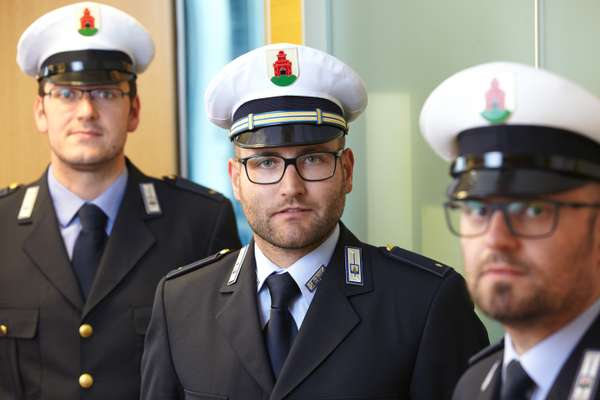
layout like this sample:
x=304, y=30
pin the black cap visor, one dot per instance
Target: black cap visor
x=287, y=135
x=86, y=67
x=511, y=183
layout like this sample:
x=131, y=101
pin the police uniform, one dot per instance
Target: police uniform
x=54, y=343
x=511, y=130
x=382, y=322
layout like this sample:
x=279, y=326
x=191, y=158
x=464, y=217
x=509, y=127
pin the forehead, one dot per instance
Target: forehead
x=289, y=151
x=124, y=85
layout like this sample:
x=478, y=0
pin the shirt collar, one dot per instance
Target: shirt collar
x=67, y=203
x=544, y=361
x=303, y=269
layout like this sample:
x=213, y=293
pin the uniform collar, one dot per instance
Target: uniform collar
x=544, y=361
x=303, y=269
x=67, y=203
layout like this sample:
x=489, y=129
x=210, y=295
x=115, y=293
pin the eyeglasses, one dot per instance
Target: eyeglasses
x=312, y=167
x=524, y=218
x=69, y=97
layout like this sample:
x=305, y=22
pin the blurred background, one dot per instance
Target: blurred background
x=401, y=48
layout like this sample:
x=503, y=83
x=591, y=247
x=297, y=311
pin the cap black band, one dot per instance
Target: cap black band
x=89, y=65
x=287, y=121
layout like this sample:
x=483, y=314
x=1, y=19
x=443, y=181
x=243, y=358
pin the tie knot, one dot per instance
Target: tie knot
x=518, y=384
x=92, y=218
x=283, y=289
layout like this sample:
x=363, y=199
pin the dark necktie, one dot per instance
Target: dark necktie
x=89, y=245
x=517, y=385
x=281, y=329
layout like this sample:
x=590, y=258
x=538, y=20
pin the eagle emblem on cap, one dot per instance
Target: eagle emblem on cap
x=284, y=66
x=88, y=23
x=495, y=99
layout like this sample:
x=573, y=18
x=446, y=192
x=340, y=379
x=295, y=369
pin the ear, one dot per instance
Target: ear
x=233, y=169
x=134, y=114
x=347, y=164
x=39, y=115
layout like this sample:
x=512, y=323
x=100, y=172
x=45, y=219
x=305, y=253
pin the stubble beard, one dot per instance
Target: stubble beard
x=505, y=304
x=297, y=238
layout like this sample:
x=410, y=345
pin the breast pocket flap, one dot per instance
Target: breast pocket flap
x=20, y=323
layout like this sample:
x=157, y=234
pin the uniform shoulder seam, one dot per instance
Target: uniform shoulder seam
x=196, y=265
x=190, y=186
x=488, y=351
x=416, y=260
x=10, y=189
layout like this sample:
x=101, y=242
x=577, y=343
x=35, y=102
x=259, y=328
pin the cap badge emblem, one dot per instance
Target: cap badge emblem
x=284, y=69
x=88, y=23
x=495, y=109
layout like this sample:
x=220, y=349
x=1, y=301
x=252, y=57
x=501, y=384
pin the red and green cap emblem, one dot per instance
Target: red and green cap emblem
x=88, y=22
x=495, y=104
x=283, y=68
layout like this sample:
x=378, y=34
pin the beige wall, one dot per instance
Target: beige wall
x=24, y=152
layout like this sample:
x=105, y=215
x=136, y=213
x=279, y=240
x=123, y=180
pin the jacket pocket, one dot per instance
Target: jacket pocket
x=21, y=371
x=190, y=395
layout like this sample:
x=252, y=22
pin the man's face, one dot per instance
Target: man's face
x=87, y=134
x=520, y=281
x=293, y=213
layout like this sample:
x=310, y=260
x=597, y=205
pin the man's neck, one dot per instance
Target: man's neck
x=285, y=257
x=90, y=183
x=527, y=334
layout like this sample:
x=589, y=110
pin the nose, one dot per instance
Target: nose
x=85, y=108
x=498, y=235
x=292, y=183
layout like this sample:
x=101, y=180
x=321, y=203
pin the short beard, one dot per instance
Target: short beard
x=501, y=302
x=317, y=234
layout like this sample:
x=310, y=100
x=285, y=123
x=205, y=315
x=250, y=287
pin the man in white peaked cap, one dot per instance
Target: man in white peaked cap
x=306, y=310
x=525, y=200
x=85, y=245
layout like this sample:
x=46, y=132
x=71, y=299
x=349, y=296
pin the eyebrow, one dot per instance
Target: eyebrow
x=305, y=151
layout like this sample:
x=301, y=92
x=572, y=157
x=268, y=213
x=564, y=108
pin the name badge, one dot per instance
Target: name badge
x=314, y=280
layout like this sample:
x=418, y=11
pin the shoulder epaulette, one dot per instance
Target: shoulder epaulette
x=9, y=189
x=196, y=264
x=191, y=186
x=416, y=260
x=491, y=349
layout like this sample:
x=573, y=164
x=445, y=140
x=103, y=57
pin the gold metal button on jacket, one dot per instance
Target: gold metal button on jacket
x=86, y=381
x=86, y=330
x=3, y=330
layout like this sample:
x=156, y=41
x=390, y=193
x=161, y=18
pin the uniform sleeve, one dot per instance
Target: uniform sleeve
x=452, y=334
x=225, y=233
x=159, y=379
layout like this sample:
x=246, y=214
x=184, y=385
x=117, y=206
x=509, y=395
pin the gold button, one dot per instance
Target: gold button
x=86, y=381
x=86, y=330
x=3, y=330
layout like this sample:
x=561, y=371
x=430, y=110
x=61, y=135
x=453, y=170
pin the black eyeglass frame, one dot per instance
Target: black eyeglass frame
x=292, y=161
x=89, y=92
x=502, y=206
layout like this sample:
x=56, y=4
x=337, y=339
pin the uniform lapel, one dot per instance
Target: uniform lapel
x=563, y=384
x=238, y=321
x=330, y=318
x=46, y=248
x=489, y=388
x=130, y=239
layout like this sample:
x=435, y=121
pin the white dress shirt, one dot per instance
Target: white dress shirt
x=301, y=271
x=67, y=204
x=544, y=361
